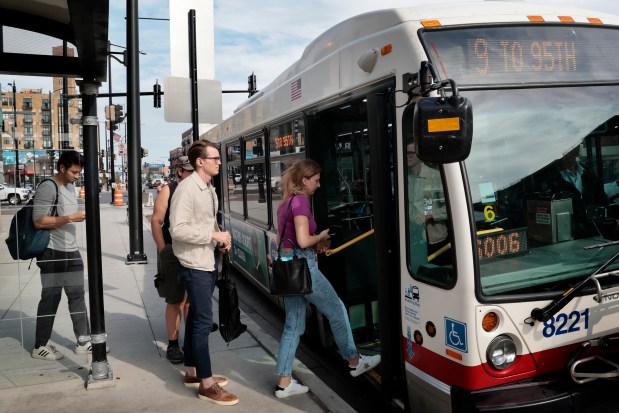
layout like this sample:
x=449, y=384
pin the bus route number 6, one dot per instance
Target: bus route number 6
x=489, y=213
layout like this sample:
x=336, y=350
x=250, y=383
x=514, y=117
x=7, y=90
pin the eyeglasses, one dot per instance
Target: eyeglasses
x=213, y=158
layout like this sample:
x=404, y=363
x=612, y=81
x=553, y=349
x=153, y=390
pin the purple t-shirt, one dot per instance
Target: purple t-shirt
x=300, y=206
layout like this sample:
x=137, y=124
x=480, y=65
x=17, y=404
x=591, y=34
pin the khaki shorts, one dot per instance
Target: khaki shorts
x=171, y=286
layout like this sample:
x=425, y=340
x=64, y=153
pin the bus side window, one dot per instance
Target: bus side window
x=429, y=253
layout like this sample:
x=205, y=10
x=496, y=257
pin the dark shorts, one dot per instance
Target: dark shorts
x=171, y=288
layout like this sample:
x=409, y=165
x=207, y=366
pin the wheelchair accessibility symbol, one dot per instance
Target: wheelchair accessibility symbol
x=455, y=335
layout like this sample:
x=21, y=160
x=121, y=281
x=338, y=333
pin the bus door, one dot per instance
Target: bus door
x=353, y=142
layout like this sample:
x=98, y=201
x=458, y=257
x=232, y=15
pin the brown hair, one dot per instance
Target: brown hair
x=198, y=150
x=292, y=178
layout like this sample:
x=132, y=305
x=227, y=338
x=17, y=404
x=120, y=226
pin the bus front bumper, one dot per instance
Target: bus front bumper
x=541, y=396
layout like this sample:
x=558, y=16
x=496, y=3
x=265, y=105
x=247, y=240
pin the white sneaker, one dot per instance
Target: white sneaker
x=366, y=363
x=293, y=389
x=86, y=348
x=47, y=352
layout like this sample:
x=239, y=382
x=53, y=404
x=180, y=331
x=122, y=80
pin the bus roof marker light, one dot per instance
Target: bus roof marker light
x=430, y=23
x=594, y=20
x=368, y=59
x=566, y=19
x=536, y=19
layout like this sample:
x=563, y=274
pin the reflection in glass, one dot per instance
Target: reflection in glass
x=234, y=199
x=543, y=175
x=257, y=207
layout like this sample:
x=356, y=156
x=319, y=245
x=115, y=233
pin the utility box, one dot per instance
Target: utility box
x=549, y=220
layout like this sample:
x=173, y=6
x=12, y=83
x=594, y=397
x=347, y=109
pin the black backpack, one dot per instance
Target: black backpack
x=230, y=325
x=25, y=241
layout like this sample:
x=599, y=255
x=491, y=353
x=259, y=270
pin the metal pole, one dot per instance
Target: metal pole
x=136, y=241
x=193, y=74
x=111, y=152
x=100, y=369
x=65, y=104
x=16, y=173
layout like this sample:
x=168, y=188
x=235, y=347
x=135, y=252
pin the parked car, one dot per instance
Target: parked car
x=13, y=195
x=276, y=184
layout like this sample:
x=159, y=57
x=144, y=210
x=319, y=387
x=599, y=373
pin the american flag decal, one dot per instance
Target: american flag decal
x=295, y=90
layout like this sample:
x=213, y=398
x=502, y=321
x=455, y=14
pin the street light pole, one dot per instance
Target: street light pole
x=16, y=174
x=111, y=150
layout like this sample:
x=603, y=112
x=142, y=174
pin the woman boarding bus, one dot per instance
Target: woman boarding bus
x=481, y=266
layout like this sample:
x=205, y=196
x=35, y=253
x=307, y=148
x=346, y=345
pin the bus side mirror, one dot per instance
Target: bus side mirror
x=442, y=129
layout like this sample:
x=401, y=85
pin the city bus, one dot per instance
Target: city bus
x=470, y=180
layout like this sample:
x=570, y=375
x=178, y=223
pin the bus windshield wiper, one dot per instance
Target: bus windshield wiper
x=604, y=245
x=544, y=314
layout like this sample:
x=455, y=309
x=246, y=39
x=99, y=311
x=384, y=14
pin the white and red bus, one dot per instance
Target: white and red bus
x=484, y=275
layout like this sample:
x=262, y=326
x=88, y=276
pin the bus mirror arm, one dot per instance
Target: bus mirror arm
x=544, y=314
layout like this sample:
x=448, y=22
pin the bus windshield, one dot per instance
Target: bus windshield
x=544, y=180
x=544, y=166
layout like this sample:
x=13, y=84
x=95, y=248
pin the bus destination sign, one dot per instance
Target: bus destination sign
x=520, y=54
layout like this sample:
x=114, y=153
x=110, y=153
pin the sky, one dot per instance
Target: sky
x=261, y=37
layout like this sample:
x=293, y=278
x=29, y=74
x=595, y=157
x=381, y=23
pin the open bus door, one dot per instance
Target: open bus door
x=354, y=143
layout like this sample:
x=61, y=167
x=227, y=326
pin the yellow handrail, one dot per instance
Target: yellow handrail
x=349, y=243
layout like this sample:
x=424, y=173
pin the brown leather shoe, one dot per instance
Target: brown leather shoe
x=217, y=395
x=193, y=381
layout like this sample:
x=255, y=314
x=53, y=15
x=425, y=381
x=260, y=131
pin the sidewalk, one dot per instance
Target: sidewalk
x=144, y=380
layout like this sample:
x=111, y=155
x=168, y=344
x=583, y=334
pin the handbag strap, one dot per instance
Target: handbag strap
x=281, y=237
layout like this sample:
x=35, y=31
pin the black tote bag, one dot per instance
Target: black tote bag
x=230, y=325
x=290, y=277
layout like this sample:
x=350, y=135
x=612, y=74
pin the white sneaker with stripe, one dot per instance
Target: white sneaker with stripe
x=47, y=352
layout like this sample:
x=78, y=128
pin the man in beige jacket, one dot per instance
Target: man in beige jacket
x=196, y=234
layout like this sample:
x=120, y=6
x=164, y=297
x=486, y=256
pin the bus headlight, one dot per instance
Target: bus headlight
x=501, y=352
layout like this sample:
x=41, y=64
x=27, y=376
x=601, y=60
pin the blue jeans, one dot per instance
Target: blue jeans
x=325, y=298
x=199, y=285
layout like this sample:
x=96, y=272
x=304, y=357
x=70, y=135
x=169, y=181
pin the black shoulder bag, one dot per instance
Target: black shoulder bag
x=289, y=277
x=230, y=325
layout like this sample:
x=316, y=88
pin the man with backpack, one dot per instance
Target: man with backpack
x=170, y=285
x=61, y=264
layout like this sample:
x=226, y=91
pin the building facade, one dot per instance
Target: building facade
x=35, y=127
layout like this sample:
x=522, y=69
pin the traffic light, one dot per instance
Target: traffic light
x=144, y=152
x=110, y=113
x=251, y=84
x=157, y=95
x=119, y=115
